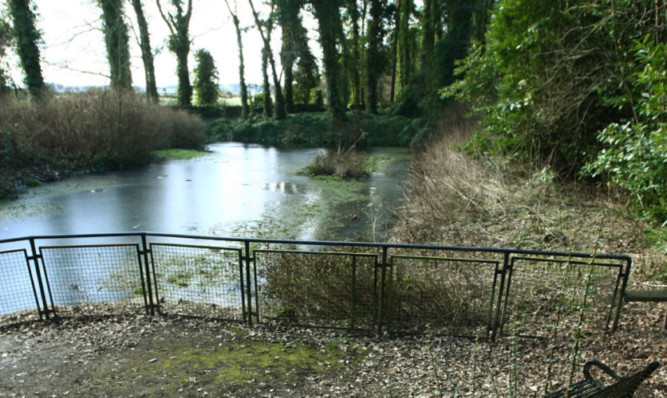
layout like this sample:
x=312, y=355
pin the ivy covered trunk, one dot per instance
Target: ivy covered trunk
x=27, y=35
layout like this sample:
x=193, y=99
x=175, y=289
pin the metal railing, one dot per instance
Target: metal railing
x=351, y=285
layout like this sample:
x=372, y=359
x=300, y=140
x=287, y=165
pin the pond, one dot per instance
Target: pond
x=235, y=190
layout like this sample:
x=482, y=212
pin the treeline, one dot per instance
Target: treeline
x=374, y=52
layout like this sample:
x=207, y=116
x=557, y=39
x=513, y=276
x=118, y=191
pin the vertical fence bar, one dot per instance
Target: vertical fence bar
x=498, y=323
x=146, y=251
x=244, y=312
x=248, y=287
x=40, y=282
x=383, y=278
x=619, y=306
x=354, y=291
x=143, y=281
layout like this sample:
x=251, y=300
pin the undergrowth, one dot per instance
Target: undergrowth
x=454, y=198
x=86, y=132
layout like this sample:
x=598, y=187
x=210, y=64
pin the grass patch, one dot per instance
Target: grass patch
x=241, y=362
x=178, y=154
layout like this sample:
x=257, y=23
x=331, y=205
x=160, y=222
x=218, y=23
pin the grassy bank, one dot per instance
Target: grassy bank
x=85, y=132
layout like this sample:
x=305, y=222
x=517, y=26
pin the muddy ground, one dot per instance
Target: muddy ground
x=160, y=356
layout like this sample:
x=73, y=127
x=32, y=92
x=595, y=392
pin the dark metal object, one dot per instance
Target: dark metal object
x=591, y=387
x=371, y=279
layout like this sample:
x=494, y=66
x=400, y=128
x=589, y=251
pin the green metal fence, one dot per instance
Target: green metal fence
x=349, y=285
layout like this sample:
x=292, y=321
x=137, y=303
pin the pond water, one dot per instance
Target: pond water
x=236, y=190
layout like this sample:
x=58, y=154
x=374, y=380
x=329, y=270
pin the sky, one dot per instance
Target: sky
x=74, y=55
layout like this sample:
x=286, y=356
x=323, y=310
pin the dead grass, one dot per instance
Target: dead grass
x=454, y=199
x=95, y=130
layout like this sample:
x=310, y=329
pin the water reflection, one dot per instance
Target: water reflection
x=236, y=190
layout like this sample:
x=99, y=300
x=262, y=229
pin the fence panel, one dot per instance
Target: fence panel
x=198, y=280
x=84, y=274
x=333, y=289
x=457, y=294
x=545, y=293
x=18, y=293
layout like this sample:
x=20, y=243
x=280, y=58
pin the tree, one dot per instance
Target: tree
x=206, y=79
x=454, y=46
x=552, y=76
x=306, y=74
x=405, y=49
x=146, y=52
x=352, y=56
x=26, y=35
x=239, y=41
x=5, y=42
x=373, y=64
x=293, y=40
x=116, y=40
x=179, y=43
x=327, y=14
x=280, y=102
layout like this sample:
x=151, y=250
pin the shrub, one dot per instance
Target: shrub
x=91, y=131
x=331, y=163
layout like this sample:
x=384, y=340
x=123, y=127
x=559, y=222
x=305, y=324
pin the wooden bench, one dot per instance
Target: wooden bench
x=591, y=387
x=654, y=296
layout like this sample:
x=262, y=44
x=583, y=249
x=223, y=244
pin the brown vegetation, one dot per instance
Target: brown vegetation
x=91, y=131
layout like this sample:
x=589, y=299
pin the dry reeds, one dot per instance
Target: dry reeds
x=95, y=130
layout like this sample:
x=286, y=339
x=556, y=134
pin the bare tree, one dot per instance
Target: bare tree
x=146, y=52
x=280, y=102
x=239, y=41
x=179, y=43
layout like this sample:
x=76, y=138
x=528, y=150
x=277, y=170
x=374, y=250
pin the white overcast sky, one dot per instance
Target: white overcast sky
x=73, y=51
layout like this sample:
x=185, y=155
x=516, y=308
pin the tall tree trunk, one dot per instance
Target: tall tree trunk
x=428, y=35
x=117, y=43
x=27, y=35
x=179, y=44
x=280, y=102
x=268, y=106
x=481, y=18
x=146, y=52
x=328, y=18
x=405, y=53
x=245, y=109
x=394, y=51
x=290, y=23
x=373, y=67
x=354, y=60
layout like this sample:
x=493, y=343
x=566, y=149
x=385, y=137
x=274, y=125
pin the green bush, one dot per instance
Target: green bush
x=634, y=154
x=317, y=129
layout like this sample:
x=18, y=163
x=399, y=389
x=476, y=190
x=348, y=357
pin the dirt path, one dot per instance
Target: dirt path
x=142, y=356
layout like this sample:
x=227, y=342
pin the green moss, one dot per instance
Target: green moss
x=177, y=153
x=242, y=362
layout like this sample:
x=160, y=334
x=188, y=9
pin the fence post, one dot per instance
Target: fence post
x=383, y=278
x=498, y=321
x=248, y=286
x=619, y=305
x=149, y=286
x=34, y=257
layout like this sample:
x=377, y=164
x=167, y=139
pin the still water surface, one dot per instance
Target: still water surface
x=236, y=190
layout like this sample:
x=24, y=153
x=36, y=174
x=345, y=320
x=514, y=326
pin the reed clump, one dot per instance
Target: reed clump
x=86, y=132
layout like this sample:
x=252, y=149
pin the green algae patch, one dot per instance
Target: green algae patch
x=244, y=362
x=178, y=154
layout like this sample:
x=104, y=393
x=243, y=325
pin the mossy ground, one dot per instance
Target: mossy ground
x=194, y=359
x=177, y=153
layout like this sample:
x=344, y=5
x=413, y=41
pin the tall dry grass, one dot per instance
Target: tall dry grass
x=95, y=130
x=447, y=186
